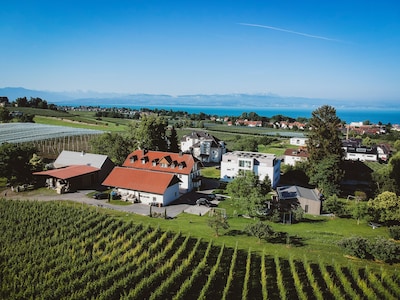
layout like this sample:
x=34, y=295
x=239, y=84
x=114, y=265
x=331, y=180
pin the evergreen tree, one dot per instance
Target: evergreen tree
x=325, y=150
x=173, y=141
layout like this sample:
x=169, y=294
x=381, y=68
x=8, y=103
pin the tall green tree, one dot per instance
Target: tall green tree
x=325, y=150
x=150, y=133
x=15, y=162
x=114, y=145
x=4, y=115
x=326, y=174
x=394, y=164
x=173, y=141
x=383, y=181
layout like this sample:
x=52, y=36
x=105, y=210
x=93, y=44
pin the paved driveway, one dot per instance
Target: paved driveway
x=186, y=203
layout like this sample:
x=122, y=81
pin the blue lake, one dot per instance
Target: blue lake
x=390, y=115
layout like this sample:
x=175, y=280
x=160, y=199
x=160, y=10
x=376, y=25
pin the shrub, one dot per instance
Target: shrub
x=334, y=205
x=379, y=249
x=394, y=232
x=356, y=246
x=260, y=230
x=385, y=250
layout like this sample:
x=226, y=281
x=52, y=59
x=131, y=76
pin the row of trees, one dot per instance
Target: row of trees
x=34, y=102
x=384, y=208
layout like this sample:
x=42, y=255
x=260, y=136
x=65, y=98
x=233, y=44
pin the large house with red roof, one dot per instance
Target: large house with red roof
x=155, y=176
x=137, y=185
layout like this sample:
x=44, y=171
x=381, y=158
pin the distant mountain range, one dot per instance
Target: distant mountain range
x=233, y=100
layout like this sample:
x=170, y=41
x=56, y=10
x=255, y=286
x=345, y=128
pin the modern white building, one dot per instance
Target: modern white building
x=203, y=146
x=261, y=164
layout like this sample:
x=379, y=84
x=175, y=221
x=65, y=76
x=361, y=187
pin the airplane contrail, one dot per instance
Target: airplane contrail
x=291, y=31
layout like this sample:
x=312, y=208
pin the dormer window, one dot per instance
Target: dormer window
x=133, y=158
x=145, y=159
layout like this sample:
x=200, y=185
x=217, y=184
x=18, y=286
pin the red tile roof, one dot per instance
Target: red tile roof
x=161, y=161
x=295, y=152
x=140, y=180
x=68, y=172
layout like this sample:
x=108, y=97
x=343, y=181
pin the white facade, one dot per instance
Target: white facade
x=170, y=195
x=203, y=146
x=292, y=156
x=360, y=153
x=291, y=160
x=261, y=164
x=360, y=156
x=298, y=141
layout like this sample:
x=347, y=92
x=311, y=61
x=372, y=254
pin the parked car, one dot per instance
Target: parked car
x=100, y=196
x=211, y=196
x=203, y=201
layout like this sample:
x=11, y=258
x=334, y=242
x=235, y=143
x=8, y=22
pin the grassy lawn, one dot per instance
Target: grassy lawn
x=211, y=172
x=315, y=238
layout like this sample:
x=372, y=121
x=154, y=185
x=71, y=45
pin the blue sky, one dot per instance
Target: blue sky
x=316, y=49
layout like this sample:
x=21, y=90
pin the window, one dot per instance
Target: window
x=245, y=164
x=306, y=208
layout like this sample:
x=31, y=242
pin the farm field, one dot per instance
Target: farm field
x=59, y=250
